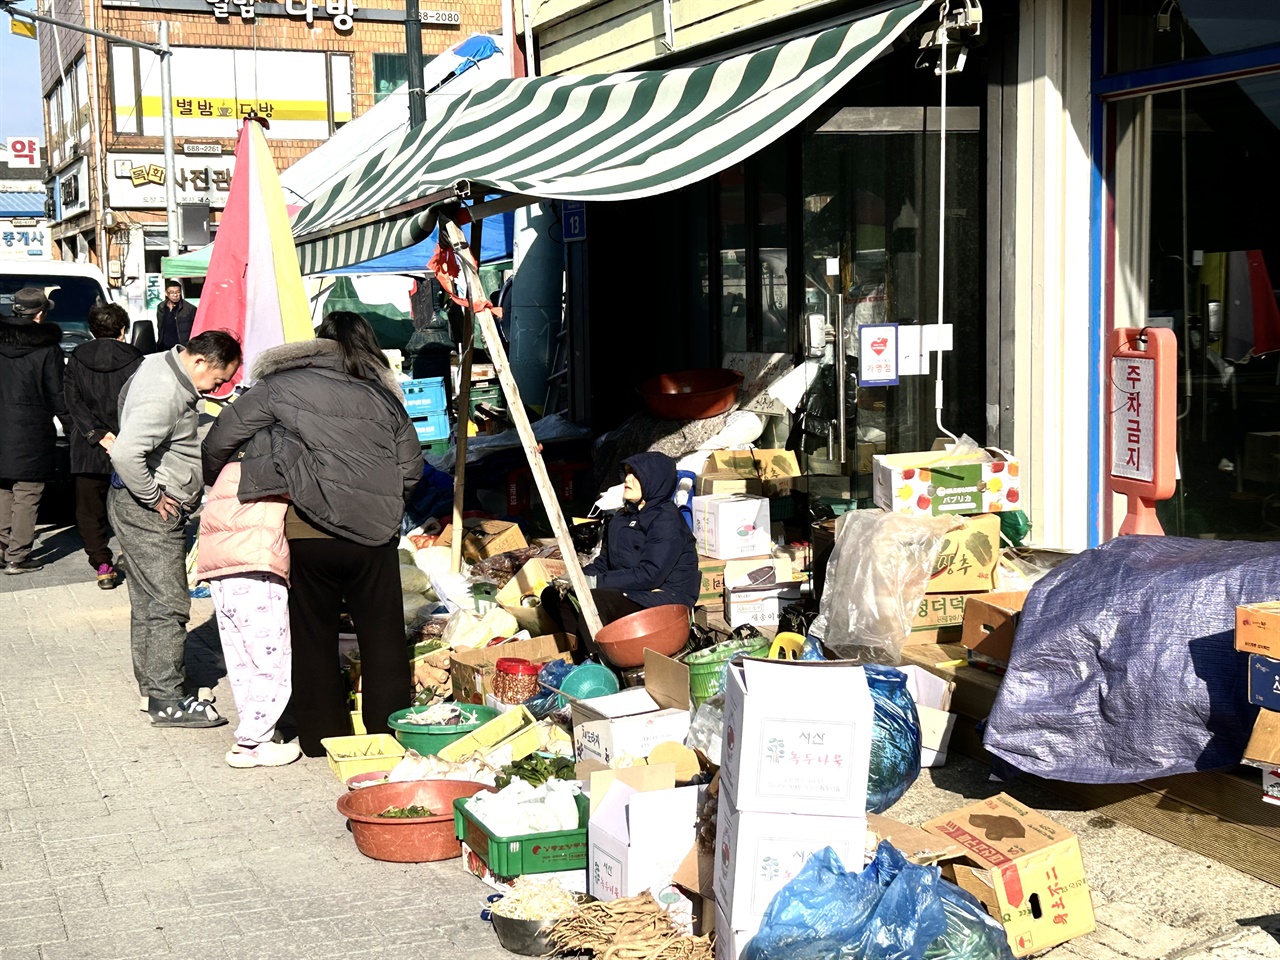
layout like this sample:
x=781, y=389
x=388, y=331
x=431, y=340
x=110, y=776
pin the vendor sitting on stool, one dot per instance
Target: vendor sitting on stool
x=647, y=557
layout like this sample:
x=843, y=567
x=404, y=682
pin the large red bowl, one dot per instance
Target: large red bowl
x=664, y=629
x=407, y=840
x=691, y=394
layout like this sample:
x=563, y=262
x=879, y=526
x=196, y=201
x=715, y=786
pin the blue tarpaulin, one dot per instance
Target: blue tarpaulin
x=495, y=246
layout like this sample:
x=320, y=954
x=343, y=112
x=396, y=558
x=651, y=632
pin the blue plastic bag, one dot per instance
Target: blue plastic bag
x=892, y=910
x=895, y=738
x=543, y=703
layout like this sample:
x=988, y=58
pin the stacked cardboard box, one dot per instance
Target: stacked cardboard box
x=1258, y=634
x=797, y=746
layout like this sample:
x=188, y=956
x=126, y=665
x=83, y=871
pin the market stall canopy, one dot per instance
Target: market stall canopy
x=495, y=247
x=612, y=137
x=448, y=77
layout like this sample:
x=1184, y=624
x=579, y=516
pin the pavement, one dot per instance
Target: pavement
x=120, y=840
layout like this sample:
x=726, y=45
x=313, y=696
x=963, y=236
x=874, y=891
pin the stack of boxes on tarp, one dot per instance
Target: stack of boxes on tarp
x=742, y=497
x=1258, y=634
x=797, y=748
x=428, y=407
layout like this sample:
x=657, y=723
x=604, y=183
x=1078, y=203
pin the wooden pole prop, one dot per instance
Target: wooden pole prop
x=541, y=479
x=464, y=411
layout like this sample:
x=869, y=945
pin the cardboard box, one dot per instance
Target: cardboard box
x=936, y=483
x=484, y=538
x=991, y=622
x=757, y=854
x=1263, y=748
x=775, y=469
x=711, y=592
x=915, y=844
x=530, y=580
x=757, y=590
x=1264, y=681
x=631, y=723
x=1258, y=628
x=638, y=836
x=797, y=737
x=710, y=484
x=731, y=527
x=932, y=695
x=865, y=453
x=730, y=943
x=472, y=670
x=939, y=618
x=1027, y=871
x=968, y=557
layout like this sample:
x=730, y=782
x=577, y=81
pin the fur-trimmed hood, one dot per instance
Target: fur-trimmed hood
x=319, y=354
x=19, y=337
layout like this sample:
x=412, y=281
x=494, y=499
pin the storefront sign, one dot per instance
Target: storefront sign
x=23, y=238
x=878, y=355
x=137, y=180
x=202, y=149
x=23, y=152
x=1143, y=425
x=73, y=189
x=342, y=12
x=155, y=291
x=440, y=18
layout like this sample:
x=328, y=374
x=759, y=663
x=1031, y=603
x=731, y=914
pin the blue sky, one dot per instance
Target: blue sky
x=21, y=110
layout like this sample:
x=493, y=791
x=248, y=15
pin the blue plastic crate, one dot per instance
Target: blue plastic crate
x=430, y=429
x=424, y=398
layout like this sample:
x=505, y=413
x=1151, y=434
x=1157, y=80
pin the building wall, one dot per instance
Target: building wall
x=589, y=36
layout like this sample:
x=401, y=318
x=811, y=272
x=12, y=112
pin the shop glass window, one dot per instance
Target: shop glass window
x=1198, y=251
x=1150, y=33
x=732, y=244
x=340, y=96
x=390, y=71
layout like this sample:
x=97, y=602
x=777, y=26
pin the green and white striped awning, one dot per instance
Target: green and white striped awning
x=611, y=137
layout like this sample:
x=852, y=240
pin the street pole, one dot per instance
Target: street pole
x=166, y=114
x=413, y=51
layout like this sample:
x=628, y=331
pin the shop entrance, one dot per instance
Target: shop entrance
x=870, y=199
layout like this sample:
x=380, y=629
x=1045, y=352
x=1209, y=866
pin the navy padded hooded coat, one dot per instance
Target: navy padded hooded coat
x=649, y=554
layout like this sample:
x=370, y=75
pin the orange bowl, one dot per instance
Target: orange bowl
x=663, y=629
x=407, y=840
x=691, y=394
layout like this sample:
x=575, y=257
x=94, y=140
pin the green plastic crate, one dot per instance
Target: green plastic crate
x=492, y=396
x=436, y=447
x=517, y=856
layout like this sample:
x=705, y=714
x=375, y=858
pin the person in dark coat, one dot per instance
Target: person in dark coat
x=96, y=372
x=30, y=397
x=325, y=425
x=648, y=556
x=174, y=317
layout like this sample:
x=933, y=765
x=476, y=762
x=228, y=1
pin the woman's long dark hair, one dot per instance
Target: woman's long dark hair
x=361, y=354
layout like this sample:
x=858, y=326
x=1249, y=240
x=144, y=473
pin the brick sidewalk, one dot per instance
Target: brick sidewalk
x=121, y=840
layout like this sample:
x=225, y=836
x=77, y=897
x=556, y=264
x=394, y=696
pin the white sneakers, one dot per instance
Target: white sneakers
x=263, y=755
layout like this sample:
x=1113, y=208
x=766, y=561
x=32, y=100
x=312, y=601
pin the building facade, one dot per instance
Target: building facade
x=306, y=68
x=1107, y=167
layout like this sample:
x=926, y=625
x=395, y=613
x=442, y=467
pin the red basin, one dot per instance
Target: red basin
x=664, y=629
x=691, y=394
x=410, y=840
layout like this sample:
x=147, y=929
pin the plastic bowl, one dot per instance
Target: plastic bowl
x=407, y=840
x=691, y=394
x=664, y=629
x=589, y=680
x=431, y=739
x=362, y=781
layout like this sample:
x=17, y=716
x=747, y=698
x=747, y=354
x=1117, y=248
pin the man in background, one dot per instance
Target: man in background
x=159, y=481
x=174, y=317
x=30, y=397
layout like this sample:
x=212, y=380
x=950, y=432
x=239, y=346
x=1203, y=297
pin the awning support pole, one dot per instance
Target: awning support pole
x=464, y=411
x=532, y=451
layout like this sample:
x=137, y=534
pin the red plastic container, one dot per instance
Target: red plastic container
x=407, y=840
x=691, y=394
x=516, y=680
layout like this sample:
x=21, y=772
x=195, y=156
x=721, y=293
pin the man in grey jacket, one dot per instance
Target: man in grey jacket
x=156, y=457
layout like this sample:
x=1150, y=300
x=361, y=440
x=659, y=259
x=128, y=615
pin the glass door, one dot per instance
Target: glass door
x=870, y=198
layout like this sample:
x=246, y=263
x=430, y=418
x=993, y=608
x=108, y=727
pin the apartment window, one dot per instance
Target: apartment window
x=53, y=119
x=390, y=71
x=340, y=96
x=81, y=75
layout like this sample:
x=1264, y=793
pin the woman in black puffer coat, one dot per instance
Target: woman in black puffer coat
x=325, y=425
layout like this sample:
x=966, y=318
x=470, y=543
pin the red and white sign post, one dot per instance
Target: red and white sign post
x=1143, y=422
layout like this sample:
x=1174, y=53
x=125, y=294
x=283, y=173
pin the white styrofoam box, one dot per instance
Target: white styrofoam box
x=730, y=526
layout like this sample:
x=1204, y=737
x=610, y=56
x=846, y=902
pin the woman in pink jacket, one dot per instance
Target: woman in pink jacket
x=244, y=556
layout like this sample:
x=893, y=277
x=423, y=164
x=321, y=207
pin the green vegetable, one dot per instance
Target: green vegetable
x=410, y=812
x=536, y=770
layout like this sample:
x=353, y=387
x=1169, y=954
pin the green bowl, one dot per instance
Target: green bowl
x=431, y=739
x=589, y=680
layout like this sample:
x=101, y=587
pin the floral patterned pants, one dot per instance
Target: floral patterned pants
x=253, y=622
